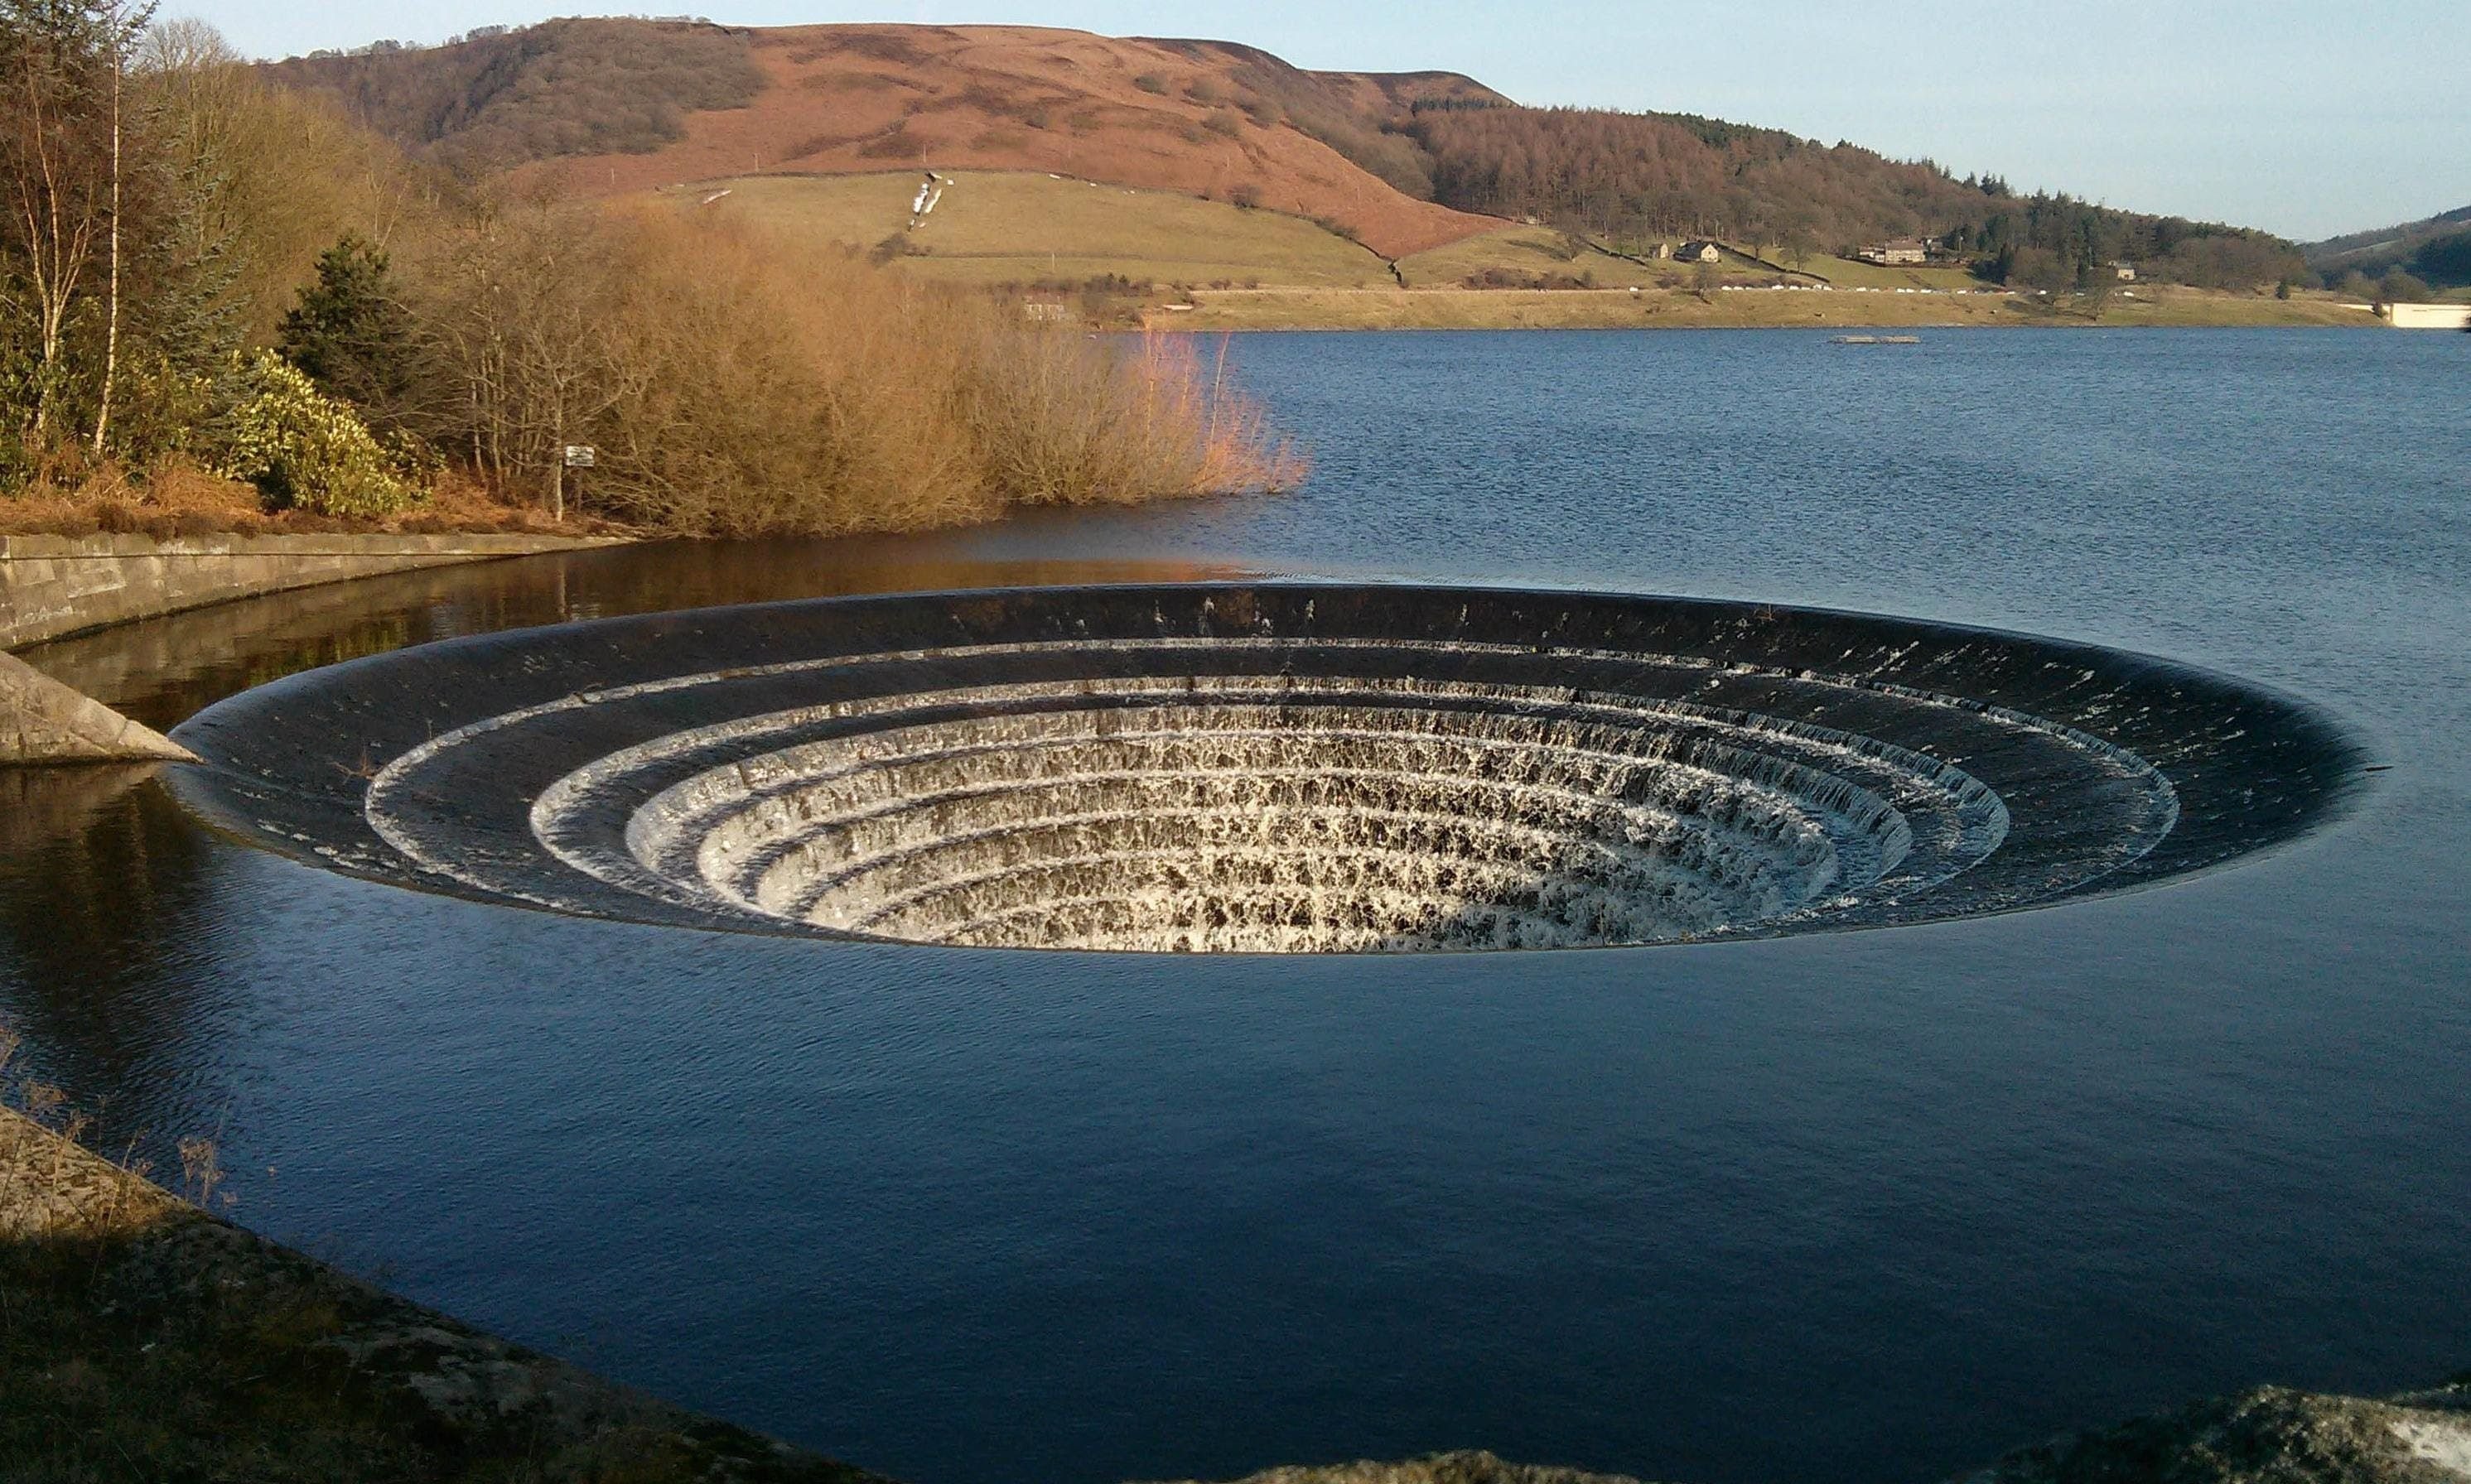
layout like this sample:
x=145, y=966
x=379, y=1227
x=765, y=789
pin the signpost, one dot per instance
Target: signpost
x=575, y=455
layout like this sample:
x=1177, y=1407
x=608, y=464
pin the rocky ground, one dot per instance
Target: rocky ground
x=141, y=1338
x=2266, y=1436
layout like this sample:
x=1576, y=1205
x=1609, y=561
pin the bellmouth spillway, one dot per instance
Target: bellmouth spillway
x=1268, y=768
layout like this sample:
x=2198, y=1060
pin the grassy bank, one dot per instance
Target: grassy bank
x=1581, y=309
x=997, y=227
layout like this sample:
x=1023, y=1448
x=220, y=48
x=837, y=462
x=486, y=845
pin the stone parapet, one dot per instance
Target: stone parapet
x=56, y=585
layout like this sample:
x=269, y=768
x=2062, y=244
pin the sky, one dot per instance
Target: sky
x=2306, y=118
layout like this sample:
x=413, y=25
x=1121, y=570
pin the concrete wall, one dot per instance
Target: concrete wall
x=42, y=721
x=55, y=585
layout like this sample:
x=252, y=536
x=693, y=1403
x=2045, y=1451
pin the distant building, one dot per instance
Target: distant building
x=2427, y=317
x=2126, y=271
x=1902, y=250
x=1661, y=252
x=1700, y=253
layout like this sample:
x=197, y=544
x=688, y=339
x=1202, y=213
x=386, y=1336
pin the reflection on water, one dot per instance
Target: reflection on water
x=99, y=869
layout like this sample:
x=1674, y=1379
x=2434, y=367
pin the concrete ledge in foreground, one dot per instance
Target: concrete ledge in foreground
x=42, y=721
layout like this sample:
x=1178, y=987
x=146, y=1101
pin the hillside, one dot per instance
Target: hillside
x=2436, y=251
x=1404, y=163
x=1202, y=119
x=1637, y=177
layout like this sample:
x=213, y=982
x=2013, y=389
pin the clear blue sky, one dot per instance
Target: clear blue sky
x=2302, y=117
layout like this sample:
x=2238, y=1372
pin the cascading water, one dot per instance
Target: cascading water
x=1273, y=768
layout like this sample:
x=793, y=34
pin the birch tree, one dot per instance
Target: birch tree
x=63, y=137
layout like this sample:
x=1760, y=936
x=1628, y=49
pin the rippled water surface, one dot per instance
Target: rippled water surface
x=1869, y=1206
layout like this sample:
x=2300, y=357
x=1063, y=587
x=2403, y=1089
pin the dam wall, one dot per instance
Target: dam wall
x=56, y=585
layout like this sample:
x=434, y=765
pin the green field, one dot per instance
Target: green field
x=995, y=228
x=1526, y=251
x=1853, y=273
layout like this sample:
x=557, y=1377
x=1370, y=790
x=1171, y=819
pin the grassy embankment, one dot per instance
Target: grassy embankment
x=995, y=228
x=1249, y=269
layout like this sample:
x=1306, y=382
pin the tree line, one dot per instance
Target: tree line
x=203, y=271
x=1638, y=176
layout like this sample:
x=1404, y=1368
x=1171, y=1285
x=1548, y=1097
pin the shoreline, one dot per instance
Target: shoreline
x=1286, y=309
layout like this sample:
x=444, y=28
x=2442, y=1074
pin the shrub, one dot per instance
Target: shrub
x=1063, y=419
x=743, y=385
x=1223, y=122
x=302, y=448
x=1150, y=82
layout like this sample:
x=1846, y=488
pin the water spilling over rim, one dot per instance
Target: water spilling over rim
x=1282, y=767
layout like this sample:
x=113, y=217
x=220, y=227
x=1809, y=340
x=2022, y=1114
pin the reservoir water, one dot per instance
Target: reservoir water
x=1863, y=1206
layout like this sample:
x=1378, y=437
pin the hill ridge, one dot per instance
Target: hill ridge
x=1403, y=162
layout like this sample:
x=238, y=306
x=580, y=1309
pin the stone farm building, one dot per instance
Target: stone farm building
x=1902, y=249
x=1700, y=253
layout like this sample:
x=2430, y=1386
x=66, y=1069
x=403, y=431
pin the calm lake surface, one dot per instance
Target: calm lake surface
x=1863, y=1207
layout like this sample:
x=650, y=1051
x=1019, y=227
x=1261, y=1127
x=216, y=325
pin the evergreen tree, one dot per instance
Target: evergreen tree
x=351, y=336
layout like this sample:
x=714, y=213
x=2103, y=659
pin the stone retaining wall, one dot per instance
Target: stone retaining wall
x=56, y=585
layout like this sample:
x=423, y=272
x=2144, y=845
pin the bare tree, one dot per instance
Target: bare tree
x=50, y=161
x=61, y=156
x=123, y=24
x=530, y=349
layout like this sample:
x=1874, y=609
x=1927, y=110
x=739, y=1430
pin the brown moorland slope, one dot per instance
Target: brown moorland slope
x=1206, y=118
x=1404, y=163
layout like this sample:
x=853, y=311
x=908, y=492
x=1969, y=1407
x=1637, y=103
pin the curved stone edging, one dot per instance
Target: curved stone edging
x=52, y=586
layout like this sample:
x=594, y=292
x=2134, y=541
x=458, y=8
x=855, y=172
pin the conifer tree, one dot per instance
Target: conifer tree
x=352, y=336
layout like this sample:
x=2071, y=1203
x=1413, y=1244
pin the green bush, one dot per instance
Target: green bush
x=303, y=448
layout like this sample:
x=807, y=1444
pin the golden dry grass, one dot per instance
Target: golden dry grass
x=175, y=499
